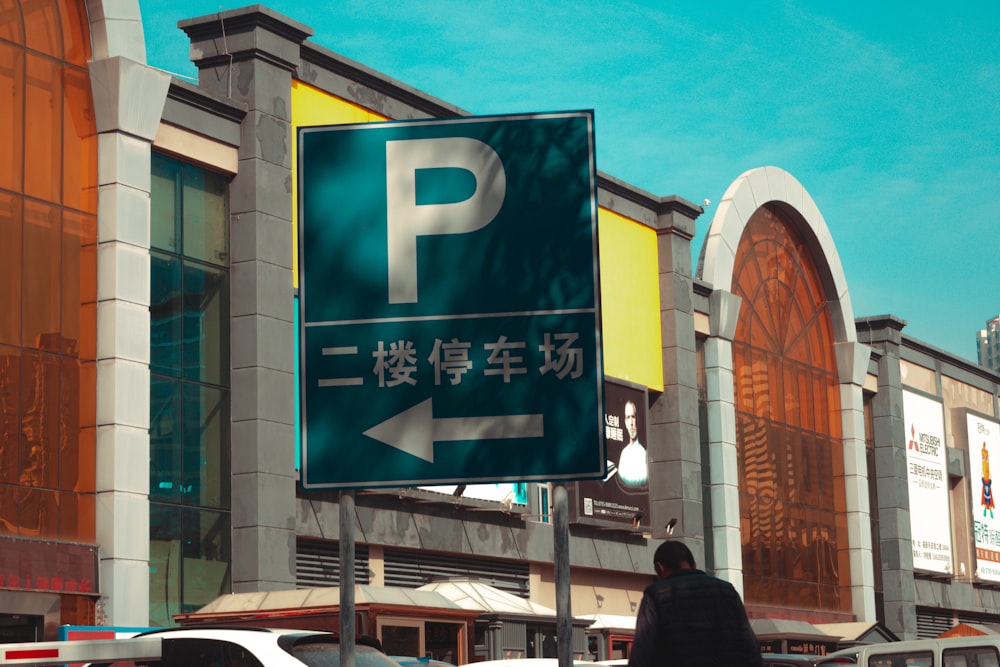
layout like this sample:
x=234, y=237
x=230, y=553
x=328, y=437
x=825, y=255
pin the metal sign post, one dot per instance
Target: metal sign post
x=347, y=629
x=564, y=605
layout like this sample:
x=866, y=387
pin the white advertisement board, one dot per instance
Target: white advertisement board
x=984, y=440
x=927, y=478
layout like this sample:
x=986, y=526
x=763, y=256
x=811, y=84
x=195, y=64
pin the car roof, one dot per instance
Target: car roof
x=255, y=635
x=789, y=659
x=222, y=630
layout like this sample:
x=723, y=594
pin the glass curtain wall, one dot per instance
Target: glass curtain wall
x=48, y=273
x=792, y=507
x=189, y=489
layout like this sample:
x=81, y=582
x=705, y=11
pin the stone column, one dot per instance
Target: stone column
x=248, y=55
x=723, y=455
x=852, y=366
x=128, y=103
x=893, y=497
x=675, y=485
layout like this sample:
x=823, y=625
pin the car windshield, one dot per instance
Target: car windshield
x=324, y=654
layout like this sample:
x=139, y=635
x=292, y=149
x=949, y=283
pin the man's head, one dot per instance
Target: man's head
x=631, y=425
x=671, y=556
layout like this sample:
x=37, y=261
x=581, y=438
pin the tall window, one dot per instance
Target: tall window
x=792, y=509
x=48, y=272
x=189, y=485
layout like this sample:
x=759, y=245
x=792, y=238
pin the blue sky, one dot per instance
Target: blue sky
x=888, y=113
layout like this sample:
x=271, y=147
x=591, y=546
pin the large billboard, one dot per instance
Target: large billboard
x=984, y=440
x=927, y=479
x=621, y=499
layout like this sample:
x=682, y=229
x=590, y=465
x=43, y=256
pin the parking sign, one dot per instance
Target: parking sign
x=449, y=296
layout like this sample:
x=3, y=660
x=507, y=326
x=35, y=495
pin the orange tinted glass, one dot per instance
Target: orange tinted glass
x=42, y=147
x=38, y=511
x=8, y=510
x=11, y=116
x=11, y=24
x=48, y=272
x=39, y=450
x=76, y=36
x=788, y=425
x=40, y=276
x=10, y=393
x=79, y=284
x=10, y=268
x=42, y=27
x=79, y=143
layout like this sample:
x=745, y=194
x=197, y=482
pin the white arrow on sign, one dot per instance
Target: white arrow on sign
x=415, y=430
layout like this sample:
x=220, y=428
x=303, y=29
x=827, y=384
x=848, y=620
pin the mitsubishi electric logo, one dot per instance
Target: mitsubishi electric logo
x=924, y=443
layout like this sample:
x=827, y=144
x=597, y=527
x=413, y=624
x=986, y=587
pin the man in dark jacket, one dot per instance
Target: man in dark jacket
x=689, y=618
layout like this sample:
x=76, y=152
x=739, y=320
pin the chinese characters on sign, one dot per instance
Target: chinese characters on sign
x=984, y=441
x=927, y=477
x=398, y=361
x=54, y=567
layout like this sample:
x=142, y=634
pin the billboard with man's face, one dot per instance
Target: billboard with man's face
x=622, y=497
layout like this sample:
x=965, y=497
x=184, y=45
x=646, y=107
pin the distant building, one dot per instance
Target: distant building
x=988, y=344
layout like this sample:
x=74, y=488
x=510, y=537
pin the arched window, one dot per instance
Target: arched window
x=792, y=510
x=48, y=271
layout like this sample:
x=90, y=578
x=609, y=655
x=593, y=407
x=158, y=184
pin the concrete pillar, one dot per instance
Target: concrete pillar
x=852, y=364
x=893, y=499
x=248, y=55
x=128, y=103
x=675, y=465
x=723, y=454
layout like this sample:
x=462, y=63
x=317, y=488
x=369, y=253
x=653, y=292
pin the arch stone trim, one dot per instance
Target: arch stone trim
x=116, y=29
x=753, y=189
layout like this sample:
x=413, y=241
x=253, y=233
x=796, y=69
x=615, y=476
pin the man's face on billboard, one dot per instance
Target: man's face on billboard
x=631, y=425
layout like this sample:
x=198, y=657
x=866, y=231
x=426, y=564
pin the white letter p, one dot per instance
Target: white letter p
x=407, y=220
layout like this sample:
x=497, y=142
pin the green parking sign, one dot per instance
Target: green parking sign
x=449, y=302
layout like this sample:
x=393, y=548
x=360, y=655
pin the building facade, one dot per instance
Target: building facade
x=833, y=468
x=988, y=344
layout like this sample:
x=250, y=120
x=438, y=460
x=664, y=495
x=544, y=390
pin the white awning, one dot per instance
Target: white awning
x=304, y=598
x=473, y=594
x=610, y=622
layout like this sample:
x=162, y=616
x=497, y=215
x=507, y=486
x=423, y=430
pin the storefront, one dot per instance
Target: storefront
x=609, y=636
x=454, y=621
x=406, y=621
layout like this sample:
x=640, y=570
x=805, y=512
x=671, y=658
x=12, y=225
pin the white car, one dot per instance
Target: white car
x=202, y=647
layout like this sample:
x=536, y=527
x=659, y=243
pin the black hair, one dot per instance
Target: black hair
x=672, y=553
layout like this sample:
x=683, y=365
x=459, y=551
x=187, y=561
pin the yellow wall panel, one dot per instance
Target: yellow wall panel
x=312, y=106
x=630, y=300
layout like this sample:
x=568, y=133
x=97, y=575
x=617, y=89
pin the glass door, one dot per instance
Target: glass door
x=16, y=628
x=443, y=642
x=401, y=636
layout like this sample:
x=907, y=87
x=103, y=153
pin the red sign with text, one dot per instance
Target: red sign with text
x=52, y=567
